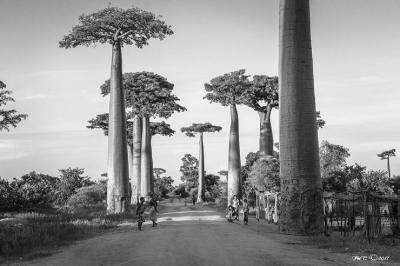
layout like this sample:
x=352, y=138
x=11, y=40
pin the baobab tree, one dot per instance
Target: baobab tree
x=263, y=96
x=301, y=206
x=147, y=95
x=386, y=156
x=8, y=117
x=156, y=128
x=190, y=132
x=117, y=27
x=229, y=90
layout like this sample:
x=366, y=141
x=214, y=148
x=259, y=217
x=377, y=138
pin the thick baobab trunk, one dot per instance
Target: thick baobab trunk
x=200, y=194
x=266, y=137
x=301, y=207
x=146, y=171
x=136, y=164
x=117, y=172
x=234, y=178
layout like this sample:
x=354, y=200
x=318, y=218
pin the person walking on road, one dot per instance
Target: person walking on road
x=193, y=200
x=245, y=212
x=153, y=210
x=140, y=208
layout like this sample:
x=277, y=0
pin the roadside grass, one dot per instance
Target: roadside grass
x=357, y=245
x=26, y=234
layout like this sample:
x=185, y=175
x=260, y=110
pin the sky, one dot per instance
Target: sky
x=356, y=69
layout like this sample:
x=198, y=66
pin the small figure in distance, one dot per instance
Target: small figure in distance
x=245, y=212
x=153, y=209
x=229, y=215
x=140, y=208
x=235, y=204
x=193, y=199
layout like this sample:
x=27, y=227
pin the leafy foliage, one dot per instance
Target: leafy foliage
x=396, y=184
x=377, y=181
x=88, y=197
x=213, y=190
x=71, y=179
x=148, y=94
x=264, y=174
x=156, y=128
x=112, y=24
x=200, y=128
x=8, y=117
x=162, y=184
x=230, y=88
x=181, y=190
x=320, y=122
x=332, y=158
x=251, y=158
x=263, y=94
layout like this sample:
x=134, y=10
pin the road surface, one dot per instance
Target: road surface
x=191, y=236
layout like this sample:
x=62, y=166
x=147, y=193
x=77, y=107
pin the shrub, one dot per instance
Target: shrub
x=88, y=197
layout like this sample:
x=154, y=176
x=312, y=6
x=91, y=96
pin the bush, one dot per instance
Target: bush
x=88, y=197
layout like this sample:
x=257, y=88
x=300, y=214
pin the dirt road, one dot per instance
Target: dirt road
x=191, y=236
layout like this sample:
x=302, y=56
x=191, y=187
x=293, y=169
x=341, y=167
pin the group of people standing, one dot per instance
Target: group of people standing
x=141, y=208
x=234, y=210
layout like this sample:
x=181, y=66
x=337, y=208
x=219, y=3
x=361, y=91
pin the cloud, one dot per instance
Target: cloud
x=9, y=151
x=34, y=97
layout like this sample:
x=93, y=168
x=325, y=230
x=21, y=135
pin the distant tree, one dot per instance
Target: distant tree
x=229, y=90
x=36, y=190
x=181, y=190
x=117, y=27
x=162, y=184
x=263, y=96
x=386, y=156
x=10, y=199
x=8, y=117
x=320, y=122
x=147, y=95
x=332, y=158
x=190, y=131
x=212, y=187
x=190, y=171
x=70, y=180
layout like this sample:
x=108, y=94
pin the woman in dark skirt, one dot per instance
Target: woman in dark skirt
x=140, y=208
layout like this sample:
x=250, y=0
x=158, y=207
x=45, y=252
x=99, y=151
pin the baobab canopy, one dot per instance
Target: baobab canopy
x=200, y=128
x=229, y=88
x=112, y=24
x=148, y=94
x=156, y=128
x=264, y=93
